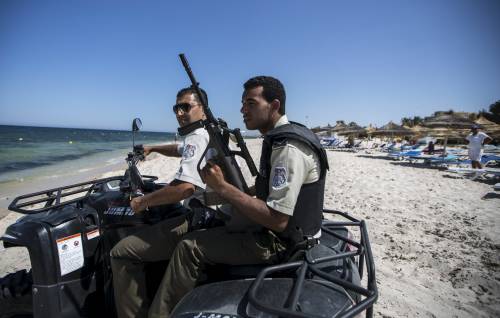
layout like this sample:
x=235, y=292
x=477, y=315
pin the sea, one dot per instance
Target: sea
x=37, y=158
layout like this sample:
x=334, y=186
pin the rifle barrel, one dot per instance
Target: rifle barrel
x=194, y=84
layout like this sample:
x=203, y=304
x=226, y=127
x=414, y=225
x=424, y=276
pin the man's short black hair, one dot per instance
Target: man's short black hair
x=191, y=90
x=273, y=89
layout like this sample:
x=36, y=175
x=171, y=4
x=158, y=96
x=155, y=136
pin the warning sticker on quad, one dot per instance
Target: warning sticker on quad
x=70, y=253
x=93, y=234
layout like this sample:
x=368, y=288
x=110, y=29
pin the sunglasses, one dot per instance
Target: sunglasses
x=185, y=107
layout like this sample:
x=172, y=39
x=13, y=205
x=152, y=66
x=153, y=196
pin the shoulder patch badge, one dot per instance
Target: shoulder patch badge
x=189, y=151
x=279, y=177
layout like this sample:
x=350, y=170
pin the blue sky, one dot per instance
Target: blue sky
x=98, y=64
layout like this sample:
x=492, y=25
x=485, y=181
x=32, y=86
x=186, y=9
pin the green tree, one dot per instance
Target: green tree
x=405, y=121
x=417, y=120
x=495, y=108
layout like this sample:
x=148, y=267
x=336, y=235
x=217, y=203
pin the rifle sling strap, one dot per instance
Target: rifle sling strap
x=183, y=131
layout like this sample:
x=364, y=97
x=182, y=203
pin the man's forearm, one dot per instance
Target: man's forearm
x=167, y=195
x=166, y=150
x=254, y=209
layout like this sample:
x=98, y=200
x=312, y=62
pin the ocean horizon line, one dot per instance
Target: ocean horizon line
x=83, y=128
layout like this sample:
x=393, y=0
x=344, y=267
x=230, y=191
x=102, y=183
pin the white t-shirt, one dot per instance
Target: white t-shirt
x=191, y=151
x=476, y=142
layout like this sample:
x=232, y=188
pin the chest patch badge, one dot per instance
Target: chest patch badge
x=189, y=151
x=279, y=177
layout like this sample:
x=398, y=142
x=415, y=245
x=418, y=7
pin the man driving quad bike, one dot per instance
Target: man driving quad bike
x=157, y=242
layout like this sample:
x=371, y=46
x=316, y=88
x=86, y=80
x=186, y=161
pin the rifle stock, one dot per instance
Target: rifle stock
x=217, y=129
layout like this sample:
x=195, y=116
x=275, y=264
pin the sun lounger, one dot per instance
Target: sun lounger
x=442, y=160
x=465, y=171
x=328, y=142
x=475, y=173
x=389, y=147
x=487, y=172
x=492, y=171
x=488, y=158
x=405, y=154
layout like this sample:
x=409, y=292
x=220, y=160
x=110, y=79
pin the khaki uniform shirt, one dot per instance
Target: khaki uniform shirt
x=292, y=165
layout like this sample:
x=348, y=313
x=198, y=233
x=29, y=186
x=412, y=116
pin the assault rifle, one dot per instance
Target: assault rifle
x=219, y=134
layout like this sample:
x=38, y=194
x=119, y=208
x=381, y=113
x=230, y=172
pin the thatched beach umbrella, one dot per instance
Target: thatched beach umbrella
x=446, y=133
x=448, y=125
x=352, y=129
x=339, y=126
x=448, y=120
x=328, y=129
x=393, y=130
x=321, y=129
x=369, y=129
x=325, y=131
x=316, y=129
x=420, y=130
x=489, y=127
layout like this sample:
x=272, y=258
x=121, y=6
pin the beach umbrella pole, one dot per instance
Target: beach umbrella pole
x=445, y=143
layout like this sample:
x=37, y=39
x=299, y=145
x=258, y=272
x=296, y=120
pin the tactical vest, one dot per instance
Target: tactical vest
x=308, y=212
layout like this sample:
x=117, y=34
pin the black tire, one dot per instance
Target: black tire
x=16, y=300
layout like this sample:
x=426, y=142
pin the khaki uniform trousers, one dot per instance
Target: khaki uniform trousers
x=207, y=247
x=151, y=244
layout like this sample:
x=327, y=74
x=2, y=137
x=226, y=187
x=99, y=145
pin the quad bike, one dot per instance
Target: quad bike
x=70, y=230
x=69, y=239
x=324, y=281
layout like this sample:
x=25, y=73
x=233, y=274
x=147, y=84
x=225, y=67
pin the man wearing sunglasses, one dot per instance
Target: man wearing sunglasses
x=157, y=242
x=285, y=216
x=188, y=111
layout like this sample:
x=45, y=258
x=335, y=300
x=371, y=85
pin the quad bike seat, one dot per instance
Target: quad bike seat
x=327, y=244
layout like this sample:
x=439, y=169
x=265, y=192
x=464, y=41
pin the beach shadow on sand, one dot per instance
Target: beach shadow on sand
x=385, y=157
x=491, y=195
x=485, y=180
x=416, y=165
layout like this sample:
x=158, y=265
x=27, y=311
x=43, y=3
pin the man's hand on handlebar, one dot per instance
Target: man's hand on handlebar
x=147, y=150
x=138, y=204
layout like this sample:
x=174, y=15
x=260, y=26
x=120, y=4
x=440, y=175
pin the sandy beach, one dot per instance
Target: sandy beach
x=435, y=238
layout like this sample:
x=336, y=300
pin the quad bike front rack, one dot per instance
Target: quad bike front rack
x=52, y=198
